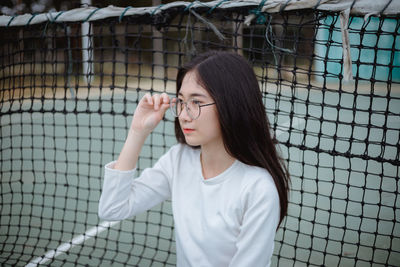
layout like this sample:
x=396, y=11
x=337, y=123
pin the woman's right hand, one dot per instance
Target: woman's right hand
x=149, y=112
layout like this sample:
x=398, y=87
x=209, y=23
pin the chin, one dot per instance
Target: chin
x=192, y=142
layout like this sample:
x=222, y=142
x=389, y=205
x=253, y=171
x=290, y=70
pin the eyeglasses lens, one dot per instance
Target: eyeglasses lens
x=175, y=107
x=193, y=108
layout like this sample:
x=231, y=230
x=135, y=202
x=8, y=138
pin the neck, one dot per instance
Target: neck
x=214, y=160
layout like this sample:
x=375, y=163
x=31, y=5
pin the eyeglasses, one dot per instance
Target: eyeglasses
x=193, y=107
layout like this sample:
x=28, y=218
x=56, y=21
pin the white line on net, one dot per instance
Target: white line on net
x=63, y=248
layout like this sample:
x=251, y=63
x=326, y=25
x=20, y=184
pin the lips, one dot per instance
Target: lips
x=188, y=130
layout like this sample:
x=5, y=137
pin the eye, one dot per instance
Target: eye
x=194, y=101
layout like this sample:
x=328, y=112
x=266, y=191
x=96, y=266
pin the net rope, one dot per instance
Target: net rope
x=60, y=123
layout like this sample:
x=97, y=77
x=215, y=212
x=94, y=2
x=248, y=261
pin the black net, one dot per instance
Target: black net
x=67, y=98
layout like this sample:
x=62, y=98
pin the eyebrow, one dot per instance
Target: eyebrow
x=193, y=95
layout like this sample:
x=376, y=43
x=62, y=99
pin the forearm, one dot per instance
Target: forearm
x=130, y=152
x=114, y=201
x=148, y=114
x=125, y=195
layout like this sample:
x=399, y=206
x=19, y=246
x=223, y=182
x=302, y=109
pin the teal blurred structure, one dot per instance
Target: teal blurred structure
x=375, y=48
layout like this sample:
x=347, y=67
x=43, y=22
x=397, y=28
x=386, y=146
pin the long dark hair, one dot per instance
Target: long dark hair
x=231, y=82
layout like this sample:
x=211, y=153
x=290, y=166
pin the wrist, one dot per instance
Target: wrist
x=137, y=135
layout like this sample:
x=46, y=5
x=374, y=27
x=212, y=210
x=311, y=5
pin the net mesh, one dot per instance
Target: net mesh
x=65, y=108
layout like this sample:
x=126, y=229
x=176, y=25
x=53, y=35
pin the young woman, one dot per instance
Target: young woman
x=227, y=184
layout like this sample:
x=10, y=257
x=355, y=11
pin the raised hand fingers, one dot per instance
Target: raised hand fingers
x=157, y=101
x=164, y=101
x=147, y=97
x=165, y=98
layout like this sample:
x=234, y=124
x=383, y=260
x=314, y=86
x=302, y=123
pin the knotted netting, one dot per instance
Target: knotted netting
x=70, y=81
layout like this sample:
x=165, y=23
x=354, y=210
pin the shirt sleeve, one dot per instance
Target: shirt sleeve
x=124, y=196
x=255, y=243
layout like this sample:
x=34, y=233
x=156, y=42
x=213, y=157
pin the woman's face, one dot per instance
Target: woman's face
x=205, y=130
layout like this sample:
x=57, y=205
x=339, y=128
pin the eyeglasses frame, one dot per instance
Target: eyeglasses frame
x=187, y=109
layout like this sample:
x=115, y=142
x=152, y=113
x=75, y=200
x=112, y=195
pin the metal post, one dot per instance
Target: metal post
x=158, y=57
x=87, y=47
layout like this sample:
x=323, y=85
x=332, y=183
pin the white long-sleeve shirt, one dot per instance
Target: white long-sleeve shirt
x=227, y=220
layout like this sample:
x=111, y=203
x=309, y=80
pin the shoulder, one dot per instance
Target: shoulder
x=179, y=148
x=254, y=176
x=179, y=152
x=171, y=161
x=258, y=185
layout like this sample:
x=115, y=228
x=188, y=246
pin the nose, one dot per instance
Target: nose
x=184, y=116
